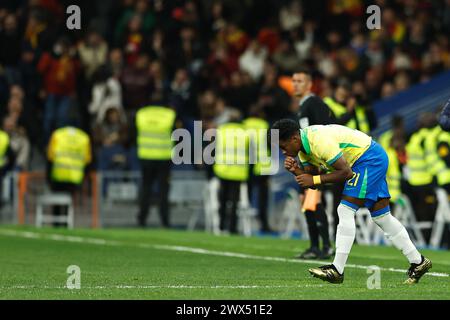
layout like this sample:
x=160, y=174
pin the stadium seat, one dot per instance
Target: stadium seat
x=404, y=212
x=211, y=203
x=442, y=217
x=329, y=201
x=55, y=199
x=364, y=226
x=245, y=211
x=292, y=214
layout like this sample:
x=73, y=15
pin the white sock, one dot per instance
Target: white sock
x=345, y=234
x=398, y=235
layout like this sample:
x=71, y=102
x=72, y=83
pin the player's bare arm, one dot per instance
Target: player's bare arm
x=342, y=173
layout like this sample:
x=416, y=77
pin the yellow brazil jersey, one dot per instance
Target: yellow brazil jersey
x=324, y=144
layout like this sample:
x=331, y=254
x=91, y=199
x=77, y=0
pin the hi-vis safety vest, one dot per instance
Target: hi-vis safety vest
x=419, y=173
x=431, y=155
x=338, y=110
x=154, y=129
x=4, y=142
x=231, y=160
x=443, y=150
x=393, y=175
x=385, y=139
x=257, y=129
x=69, y=151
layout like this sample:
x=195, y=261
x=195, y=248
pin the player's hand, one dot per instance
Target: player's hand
x=305, y=180
x=290, y=164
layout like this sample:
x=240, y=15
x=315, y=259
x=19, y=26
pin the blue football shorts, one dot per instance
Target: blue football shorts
x=369, y=176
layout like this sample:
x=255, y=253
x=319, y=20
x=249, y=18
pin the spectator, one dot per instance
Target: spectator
x=15, y=108
x=286, y=57
x=110, y=139
x=10, y=38
x=221, y=63
x=161, y=85
x=304, y=39
x=18, y=141
x=223, y=112
x=253, y=59
x=241, y=93
x=142, y=11
x=59, y=70
x=290, y=16
x=38, y=34
x=157, y=48
x=401, y=81
x=93, y=52
x=137, y=84
x=273, y=100
x=132, y=40
x=106, y=93
x=115, y=62
x=207, y=105
x=182, y=93
x=387, y=90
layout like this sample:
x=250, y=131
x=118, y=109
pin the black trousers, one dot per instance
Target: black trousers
x=336, y=189
x=62, y=187
x=229, y=197
x=261, y=183
x=154, y=171
x=424, y=202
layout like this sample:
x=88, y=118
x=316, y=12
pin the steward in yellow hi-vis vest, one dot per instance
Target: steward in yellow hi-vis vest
x=438, y=156
x=232, y=168
x=154, y=127
x=4, y=144
x=419, y=173
x=7, y=159
x=358, y=120
x=434, y=165
x=385, y=139
x=69, y=152
x=257, y=131
x=231, y=160
x=393, y=175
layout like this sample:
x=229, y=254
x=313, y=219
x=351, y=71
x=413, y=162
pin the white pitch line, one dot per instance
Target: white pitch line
x=28, y=287
x=96, y=241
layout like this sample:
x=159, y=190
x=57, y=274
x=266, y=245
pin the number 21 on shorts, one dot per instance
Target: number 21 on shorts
x=354, y=180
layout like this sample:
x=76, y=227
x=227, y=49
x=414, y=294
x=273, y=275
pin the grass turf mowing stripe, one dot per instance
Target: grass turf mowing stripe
x=97, y=241
x=27, y=287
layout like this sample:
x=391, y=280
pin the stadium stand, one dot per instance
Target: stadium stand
x=206, y=59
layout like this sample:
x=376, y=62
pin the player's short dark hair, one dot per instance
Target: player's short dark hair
x=305, y=71
x=286, y=128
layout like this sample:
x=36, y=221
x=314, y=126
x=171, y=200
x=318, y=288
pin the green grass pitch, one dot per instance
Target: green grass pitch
x=178, y=265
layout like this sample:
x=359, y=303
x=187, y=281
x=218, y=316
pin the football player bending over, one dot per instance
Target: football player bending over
x=353, y=158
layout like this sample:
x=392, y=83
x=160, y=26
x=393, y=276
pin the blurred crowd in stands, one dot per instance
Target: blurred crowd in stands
x=206, y=58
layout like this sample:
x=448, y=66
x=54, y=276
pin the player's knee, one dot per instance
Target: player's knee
x=346, y=214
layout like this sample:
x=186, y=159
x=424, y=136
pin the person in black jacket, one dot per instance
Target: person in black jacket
x=444, y=118
x=312, y=111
